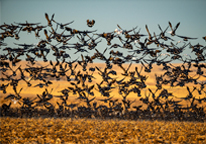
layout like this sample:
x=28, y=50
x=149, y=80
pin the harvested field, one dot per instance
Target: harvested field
x=66, y=130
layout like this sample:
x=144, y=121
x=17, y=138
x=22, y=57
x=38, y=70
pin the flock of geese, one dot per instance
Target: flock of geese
x=149, y=49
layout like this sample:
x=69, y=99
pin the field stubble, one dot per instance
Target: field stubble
x=51, y=130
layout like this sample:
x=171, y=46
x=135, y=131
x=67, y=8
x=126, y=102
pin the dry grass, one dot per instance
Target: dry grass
x=51, y=130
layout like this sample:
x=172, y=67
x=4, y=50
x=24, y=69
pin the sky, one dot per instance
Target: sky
x=107, y=14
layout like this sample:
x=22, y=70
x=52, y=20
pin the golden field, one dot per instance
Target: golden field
x=66, y=130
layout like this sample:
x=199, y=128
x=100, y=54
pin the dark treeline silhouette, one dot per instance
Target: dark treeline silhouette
x=148, y=49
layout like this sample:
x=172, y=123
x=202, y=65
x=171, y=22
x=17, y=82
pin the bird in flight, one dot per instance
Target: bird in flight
x=90, y=23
